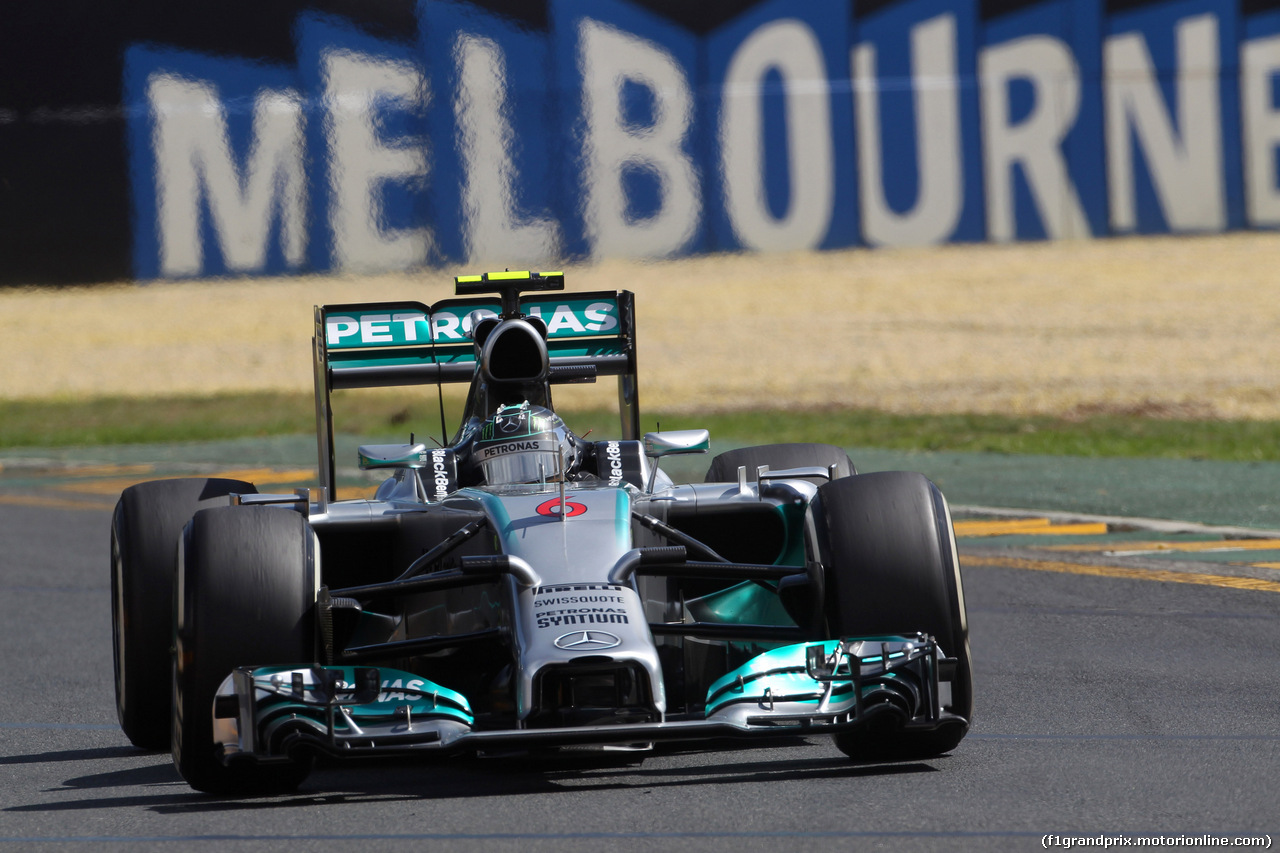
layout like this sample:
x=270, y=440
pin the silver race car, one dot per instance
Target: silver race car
x=523, y=590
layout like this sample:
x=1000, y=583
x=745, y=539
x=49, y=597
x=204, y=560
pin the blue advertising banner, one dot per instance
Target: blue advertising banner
x=626, y=132
x=919, y=153
x=366, y=148
x=1039, y=70
x=340, y=137
x=1260, y=118
x=778, y=154
x=497, y=167
x=1172, y=118
x=219, y=184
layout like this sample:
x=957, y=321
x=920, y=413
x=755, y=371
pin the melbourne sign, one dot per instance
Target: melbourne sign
x=612, y=131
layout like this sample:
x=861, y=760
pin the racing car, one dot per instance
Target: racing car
x=519, y=589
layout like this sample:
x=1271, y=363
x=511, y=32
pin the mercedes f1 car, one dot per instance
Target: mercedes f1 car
x=523, y=590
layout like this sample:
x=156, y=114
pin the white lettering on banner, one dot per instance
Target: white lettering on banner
x=337, y=328
x=447, y=327
x=1185, y=169
x=410, y=323
x=194, y=161
x=939, y=161
x=790, y=48
x=233, y=174
x=1035, y=143
x=609, y=58
x=493, y=231
x=1259, y=65
x=600, y=317
x=360, y=163
x=564, y=318
x=375, y=329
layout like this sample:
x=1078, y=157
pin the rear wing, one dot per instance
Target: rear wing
x=390, y=344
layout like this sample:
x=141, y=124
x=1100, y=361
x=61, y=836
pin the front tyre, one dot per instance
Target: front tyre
x=245, y=597
x=144, y=545
x=888, y=552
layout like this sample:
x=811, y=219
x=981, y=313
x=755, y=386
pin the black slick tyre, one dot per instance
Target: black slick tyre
x=888, y=553
x=144, y=545
x=246, y=597
x=778, y=457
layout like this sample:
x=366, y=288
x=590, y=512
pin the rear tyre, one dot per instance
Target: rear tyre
x=246, y=597
x=144, y=546
x=890, y=567
x=724, y=468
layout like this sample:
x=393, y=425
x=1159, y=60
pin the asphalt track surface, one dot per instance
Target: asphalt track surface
x=1107, y=704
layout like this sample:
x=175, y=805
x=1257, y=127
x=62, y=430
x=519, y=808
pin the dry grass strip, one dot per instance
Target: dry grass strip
x=1186, y=326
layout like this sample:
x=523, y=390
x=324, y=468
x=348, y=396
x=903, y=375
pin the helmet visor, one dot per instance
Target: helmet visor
x=511, y=464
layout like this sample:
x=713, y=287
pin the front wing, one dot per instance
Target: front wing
x=270, y=714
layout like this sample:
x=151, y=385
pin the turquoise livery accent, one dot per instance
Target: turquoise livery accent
x=749, y=603
x=811, y=678
x=782, y=671
x=284, y=691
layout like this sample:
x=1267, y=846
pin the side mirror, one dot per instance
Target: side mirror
x=394, y=456
x=657, y=444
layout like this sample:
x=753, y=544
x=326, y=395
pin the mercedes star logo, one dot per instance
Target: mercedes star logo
x=587, y=641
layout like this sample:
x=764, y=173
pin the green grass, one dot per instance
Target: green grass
x=131, y=421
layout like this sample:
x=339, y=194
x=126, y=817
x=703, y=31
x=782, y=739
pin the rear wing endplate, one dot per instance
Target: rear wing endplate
x=391, y=344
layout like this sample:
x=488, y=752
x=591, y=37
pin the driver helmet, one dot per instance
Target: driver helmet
x=526, y=444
